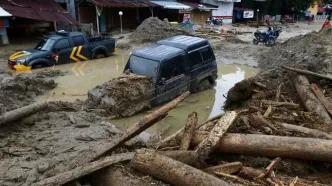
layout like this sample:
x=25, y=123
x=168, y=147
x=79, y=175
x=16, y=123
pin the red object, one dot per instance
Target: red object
x=222, y=31
x=122, y=3
x=326, y=24
x=45, y=10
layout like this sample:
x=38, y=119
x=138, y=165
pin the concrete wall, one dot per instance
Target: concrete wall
x=225, y=10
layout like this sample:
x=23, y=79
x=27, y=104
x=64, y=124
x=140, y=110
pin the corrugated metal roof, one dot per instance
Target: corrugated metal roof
x=158, y=52
x=184, y=42
x=45, y=10
x=4, y=13
x=172, y=5
x=122, y=3
x=200, y=6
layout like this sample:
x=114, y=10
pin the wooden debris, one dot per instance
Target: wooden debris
x=310, y=101
x=80, y=171
x=293, y=183
x=145, y=123
x=326, y=103
x=22, y=112
x=187, y=157
x=188, y=132
x=72, y=119
x=307, y=72
x=272, y=146
x=228, y=168
x=268, y=169
x=260, y=84
x=172, y=171
x=312, y=132
x=279, y=92
x=268, y=111
x=207, y=146
x=280, y=104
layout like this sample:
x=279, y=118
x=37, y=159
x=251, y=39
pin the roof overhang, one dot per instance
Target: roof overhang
x=4, y=13
x=172, y=5
x=122, y=3
x=205, y=8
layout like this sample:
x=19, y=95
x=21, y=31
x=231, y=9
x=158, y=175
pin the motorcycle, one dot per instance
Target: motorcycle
x=214, y=21
x=269, y=37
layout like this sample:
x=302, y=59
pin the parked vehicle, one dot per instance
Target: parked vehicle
x=268, y=37
x=60, y=48
x=176, y=65
x=214, y=21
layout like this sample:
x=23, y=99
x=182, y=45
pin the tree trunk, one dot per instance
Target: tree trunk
x=22, y=112
x=188, y=132
x=228, y=168
x=80, y=171
x=306, y=72
x=172, y=171
x=273, y=146
x=207, y=146
x=280, y=104
x=186, y=157
x=312, y=132
x=326, y=103
x=144, y=123
x=309, y=99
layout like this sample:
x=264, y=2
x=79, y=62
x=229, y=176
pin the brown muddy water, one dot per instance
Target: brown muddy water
x=83, y=76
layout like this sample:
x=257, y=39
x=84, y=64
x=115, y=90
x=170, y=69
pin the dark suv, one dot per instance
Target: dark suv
x=176, y=65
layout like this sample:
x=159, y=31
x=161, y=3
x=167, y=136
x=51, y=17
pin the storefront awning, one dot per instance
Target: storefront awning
x=4, y=13
x=44, y=10
x=328, y=7
x=122, y=3
x=200, y=6
x=172, y=5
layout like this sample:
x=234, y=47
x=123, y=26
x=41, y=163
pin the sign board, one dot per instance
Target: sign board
x=248, y=14
x=184, y=12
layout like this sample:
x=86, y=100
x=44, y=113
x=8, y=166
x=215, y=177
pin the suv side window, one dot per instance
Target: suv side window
x=172, y=67
x=62, y=44
x=207, y=54
x=78, y=40
x=195, y=58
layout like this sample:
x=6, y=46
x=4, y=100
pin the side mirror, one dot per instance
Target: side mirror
x=162, y=81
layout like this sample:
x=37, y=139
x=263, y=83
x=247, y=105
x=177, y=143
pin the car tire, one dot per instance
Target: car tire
x=99, y=54
x=204, y=85
x=255, y=41
x=38, y=65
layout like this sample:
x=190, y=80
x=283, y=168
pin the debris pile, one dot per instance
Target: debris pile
x=122, y=96
x=19, y=90
x=154, y=29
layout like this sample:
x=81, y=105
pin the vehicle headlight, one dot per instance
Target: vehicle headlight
x=20, y=61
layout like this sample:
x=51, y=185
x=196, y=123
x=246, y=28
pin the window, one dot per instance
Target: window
x=207, y=54
x=78, y=40
x=62, y=44
x=142, y=66
x=172, y=67
x=45, y=44
x=195, y=58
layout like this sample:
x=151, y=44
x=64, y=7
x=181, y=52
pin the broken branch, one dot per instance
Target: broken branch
x=189, y=130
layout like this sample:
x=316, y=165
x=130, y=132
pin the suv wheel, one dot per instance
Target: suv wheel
x=204, y=85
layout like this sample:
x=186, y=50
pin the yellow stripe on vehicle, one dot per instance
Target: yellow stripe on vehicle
x=17, y=55
x=72, y=55
x=79, y=54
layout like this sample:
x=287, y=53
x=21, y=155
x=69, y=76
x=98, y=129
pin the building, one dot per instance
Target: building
x=69, y=6
x=200, y=12
x=225, y=9
x=34, y=16
x=4, y=24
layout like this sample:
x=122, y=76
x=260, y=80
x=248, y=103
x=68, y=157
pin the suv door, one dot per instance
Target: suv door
x=172, y=80
x=63, y=48
x=83, y=52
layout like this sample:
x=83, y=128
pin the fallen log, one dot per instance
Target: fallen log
x=228, y=168
x=22, y=112
x=308, y=98
x=280, y=104
x=260, y=84
x=326, y=103
x=272, y=146
x=187, y=157
x=188, y=132
x=207, y=146
x=312, y=132
x=306, y=72
x=279, y=92
x=80, y=171
x=172, y=171
x=144, y=123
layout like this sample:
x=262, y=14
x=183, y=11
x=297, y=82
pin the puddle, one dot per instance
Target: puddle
x=82, y=77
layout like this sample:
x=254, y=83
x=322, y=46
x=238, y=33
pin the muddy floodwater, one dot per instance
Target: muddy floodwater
x=83, y=76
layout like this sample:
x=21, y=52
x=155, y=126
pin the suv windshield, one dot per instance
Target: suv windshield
x=142, y=66
x=45, y=44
